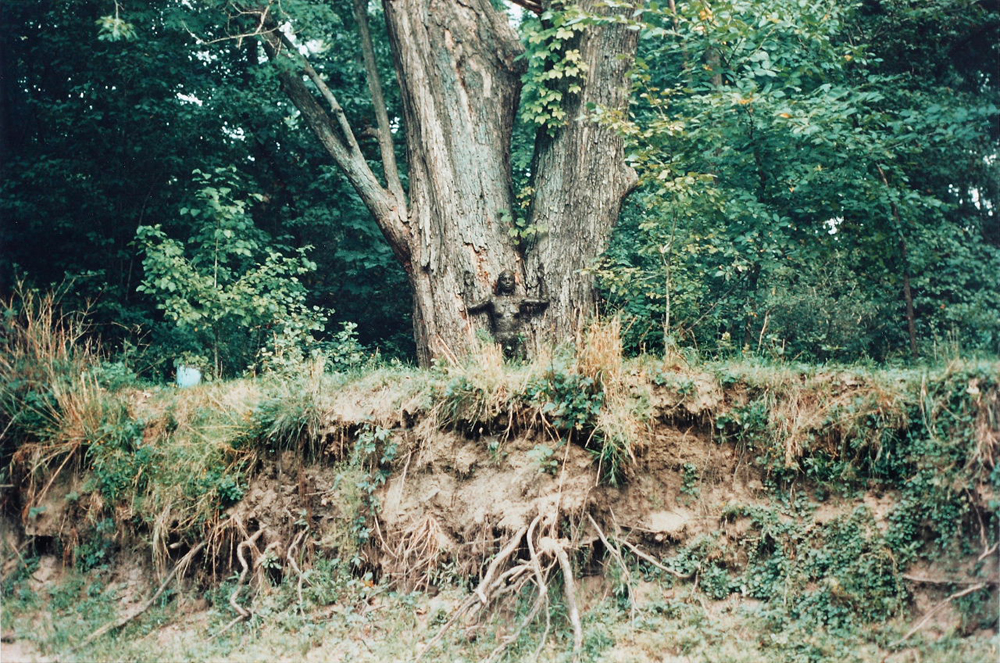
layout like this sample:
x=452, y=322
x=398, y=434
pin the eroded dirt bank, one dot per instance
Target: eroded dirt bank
x=560, y=510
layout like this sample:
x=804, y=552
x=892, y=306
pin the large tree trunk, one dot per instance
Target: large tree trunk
x=460, y=83
x=580, y=179
x=460, y=80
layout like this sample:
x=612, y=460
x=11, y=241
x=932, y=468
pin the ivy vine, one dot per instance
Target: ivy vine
x=555, y=65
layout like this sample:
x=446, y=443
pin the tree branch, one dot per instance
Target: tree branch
x=530, y=5
x=378, y=101
x=338, y=111
x=389, y=214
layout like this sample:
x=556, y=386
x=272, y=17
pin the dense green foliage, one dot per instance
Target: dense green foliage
x=803, y=165
x=227, y=284
x=103, y=136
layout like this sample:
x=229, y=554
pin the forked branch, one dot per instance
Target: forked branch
x=378, y=101
x=337, y=136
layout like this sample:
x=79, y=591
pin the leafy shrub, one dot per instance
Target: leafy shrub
x=569, y=400
x=121, y=463
x=231, y=295
x=542, y=456
x=98, y=546
x=950, y=445
x=690, y=480
x=837, y=574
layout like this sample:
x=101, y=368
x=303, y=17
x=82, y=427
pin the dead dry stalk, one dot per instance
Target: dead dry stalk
x=930, y=613
x=416, y=553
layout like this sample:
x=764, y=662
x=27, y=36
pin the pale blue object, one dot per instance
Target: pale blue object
x=188, y=376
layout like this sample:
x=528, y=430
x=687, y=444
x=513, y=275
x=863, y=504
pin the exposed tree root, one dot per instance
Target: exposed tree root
x=292, y=562
x=648, y=558
x=611, y=548
x=540, y=600
x=544, y=554
x=569, y=588
x=242, y=612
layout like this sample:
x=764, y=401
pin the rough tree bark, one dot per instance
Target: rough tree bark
x=580, y=180
x=460, y=80
x=459, y=73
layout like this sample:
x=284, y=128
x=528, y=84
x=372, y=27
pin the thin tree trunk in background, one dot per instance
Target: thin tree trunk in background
x=714, y=61
x=6, y=74
x=911, y=318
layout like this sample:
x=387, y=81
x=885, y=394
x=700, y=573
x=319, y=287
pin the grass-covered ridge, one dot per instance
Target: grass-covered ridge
x=618, y=509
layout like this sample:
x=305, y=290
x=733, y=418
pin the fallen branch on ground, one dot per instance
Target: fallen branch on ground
x=930, y=613
x=111, y=626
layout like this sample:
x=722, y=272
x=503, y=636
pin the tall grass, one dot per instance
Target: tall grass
x=51, y=404
x=45, y=355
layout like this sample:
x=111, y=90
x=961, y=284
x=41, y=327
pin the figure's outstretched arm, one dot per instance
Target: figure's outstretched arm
x=470, y=287
x=540, y=302
x=537, y=304
x=475, y=307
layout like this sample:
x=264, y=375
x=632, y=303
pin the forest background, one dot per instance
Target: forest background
x=818, y=180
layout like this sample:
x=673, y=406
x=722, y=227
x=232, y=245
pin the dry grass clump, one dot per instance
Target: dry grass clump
x=821, y=413
x=387, y=396
x=619, y=423
x=804, y=411
x=987, y=426
x=51, y=405
x=39, y=340
x=44, y=356
x=583, y=393
x=599, y=353
x=483, y=392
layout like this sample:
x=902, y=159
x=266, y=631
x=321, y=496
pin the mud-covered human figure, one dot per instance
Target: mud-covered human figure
x=507, y=313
